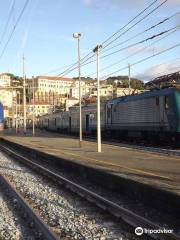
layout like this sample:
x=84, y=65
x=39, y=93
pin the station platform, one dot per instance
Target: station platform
x=151, y=168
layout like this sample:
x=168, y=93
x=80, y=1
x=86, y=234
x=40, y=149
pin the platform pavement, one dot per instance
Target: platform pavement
x=151, y=168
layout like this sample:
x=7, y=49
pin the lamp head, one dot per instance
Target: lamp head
x=76, y=35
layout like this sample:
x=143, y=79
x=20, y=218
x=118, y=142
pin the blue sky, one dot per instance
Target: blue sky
x=44, y=35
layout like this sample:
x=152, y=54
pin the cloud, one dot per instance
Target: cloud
x=113, y=3
x=159, y=70
x=144, y=50
x=174, y=2
x=88, y=2
x=121, y=3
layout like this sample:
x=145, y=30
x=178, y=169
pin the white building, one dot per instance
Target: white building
x=60, y=85
x=5, y=80
x=105, y=91
x=70, y=102
x=86, y=89
x=6, y=95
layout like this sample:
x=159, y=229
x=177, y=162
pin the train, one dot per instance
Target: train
x=151, y=115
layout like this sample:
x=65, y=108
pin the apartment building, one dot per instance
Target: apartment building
x=105, y=91
x=48, y=84
x=5, y=80
x=70, y=102
x=6, y=94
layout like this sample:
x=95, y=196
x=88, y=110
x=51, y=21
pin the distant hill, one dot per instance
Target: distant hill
x=119, y=81
x=123, y=81
x=86, y=79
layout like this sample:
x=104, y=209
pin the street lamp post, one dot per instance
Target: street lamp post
x=77, y=36
x=33, y=123
x=96, y=50
x=16, y=111
x=24, y=96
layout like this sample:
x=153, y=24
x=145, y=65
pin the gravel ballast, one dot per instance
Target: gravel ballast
x=69, y=216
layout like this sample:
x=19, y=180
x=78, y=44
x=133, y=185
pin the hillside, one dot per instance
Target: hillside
x=123, y=81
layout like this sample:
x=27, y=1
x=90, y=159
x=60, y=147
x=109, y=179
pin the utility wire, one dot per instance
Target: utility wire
x=136, y=52
x=140, y=42
x=140, y=33
x=87, y=63
x=118, y=32
x=14, y=28
x=129, y=22
x=57, y=69
x=153, y=10
x=162, y=72
x=143, y=60
x=7, y=22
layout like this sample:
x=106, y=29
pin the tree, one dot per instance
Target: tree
x=123, y=81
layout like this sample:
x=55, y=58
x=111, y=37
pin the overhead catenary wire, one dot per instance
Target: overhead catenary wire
x=140, y=42
x=7, y=22
x=135, y=53
x=57, y=69
x=158, y=65
x=144, y=17
x=14, y=28
x=142, y=60
x=91, y=61
x=144, y=31
x=139, y=14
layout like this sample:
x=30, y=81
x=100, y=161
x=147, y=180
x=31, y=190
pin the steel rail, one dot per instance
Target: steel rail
x=127, y=215
x=41, y=227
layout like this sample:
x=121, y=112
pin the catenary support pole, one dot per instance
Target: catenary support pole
x=33, y=126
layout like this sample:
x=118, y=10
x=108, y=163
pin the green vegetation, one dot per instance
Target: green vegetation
x=88, y=80
x=119, y=81
x=122, y=81
x=16, y=80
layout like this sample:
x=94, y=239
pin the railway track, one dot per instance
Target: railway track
x=37, y=226
x=128, y=216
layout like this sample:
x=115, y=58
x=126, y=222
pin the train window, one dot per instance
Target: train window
x=157, y=101
x=166, y=102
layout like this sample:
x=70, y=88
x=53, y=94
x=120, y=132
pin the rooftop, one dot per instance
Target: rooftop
x=55, y=78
